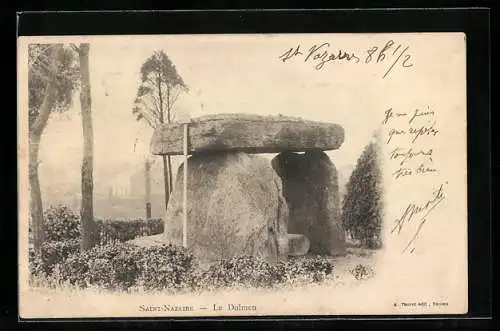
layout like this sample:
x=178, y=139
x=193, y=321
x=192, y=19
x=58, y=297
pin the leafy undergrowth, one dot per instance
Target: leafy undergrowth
x=117, y=266
x=170, y=269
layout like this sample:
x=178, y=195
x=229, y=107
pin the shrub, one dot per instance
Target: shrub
x=237, y=271
x=61, y=223
x=361, y=271
x=166, y=267
x=248, y=271
x=74, y=270
x=119, y=265
x=311, y=268
x=51, y=253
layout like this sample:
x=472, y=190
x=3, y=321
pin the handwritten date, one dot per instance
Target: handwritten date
x=322, y=54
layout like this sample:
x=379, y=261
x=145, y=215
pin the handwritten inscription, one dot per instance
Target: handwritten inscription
x=407, y=129
x=320, y=54
x=410, y=135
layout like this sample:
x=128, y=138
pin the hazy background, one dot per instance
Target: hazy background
x=226, y=75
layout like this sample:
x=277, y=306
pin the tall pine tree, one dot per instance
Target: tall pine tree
x=157, y=94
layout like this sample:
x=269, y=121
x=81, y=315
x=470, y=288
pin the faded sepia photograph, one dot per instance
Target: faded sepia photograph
x=242, y=175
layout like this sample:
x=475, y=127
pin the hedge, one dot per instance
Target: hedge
x=61, y=223
x=123, y=230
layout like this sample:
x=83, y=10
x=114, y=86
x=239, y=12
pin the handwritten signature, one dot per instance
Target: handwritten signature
x=420, y=213
x=322, y=54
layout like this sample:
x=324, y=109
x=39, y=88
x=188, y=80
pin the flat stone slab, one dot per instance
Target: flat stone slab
x=247, y=133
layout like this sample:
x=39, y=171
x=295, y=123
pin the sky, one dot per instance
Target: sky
x=225, y=74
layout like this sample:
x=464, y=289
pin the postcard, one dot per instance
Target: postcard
x=242, y=175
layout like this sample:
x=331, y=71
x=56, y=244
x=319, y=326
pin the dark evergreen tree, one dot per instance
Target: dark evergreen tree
x=362, y=204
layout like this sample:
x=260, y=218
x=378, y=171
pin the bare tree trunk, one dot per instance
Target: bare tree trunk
x=166, y=180
x=36, y=207
x=86, y=210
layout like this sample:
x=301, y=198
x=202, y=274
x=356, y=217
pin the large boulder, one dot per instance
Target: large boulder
x=312, y=194
x=235, y=207
x=247, y=133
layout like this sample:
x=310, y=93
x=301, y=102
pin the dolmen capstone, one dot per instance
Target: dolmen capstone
x=251, y=134
x=239, y=203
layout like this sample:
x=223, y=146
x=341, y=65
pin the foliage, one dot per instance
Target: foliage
x=362, y=204
x=121, y=266
x=51, y=253
x=361, y=272
x=166, y=268
x=42, y=70
x=64, y=224
x=249, y=271
x=61, y=223
x=158, y=91
x=116, y=265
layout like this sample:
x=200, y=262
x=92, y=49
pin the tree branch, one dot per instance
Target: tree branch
x=156, y=102
x=154, y=107
x=175, y=96
x=150, y=81
x=146, y=115
x=48, y=100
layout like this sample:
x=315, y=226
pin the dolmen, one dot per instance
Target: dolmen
x=239, y=203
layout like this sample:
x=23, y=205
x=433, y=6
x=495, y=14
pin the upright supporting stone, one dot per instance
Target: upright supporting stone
x=236, y=208
x=311, y=191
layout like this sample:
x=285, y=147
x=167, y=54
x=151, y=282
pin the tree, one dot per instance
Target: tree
x=157, y=94
x=362, y=204
x=52, y=78
x=87, y=205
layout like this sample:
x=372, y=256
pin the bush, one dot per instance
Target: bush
x=51, y=253
x=167, y=267
x=61, y=223
x=74, y=270
x=361, y=271
x=119, y=265
x=248, y=271
x=237, y=271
